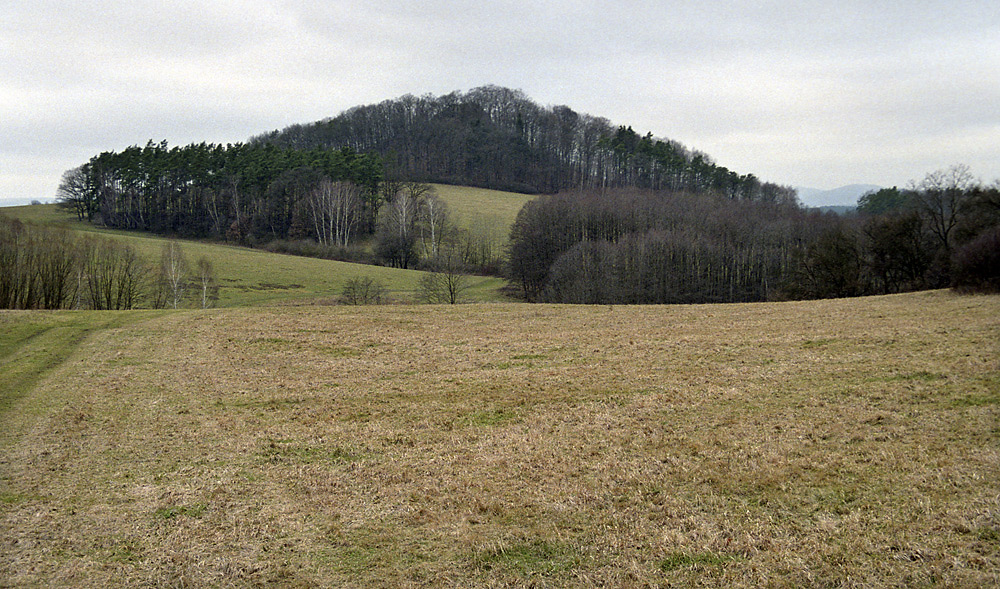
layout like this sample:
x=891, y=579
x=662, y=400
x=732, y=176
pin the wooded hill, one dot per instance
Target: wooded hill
x=361, y=177
x=629, y=219
x=494, y=137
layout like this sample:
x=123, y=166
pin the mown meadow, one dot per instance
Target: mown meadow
x=850, y=442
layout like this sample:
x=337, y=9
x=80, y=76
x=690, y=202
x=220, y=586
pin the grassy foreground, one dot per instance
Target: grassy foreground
x=831, y=443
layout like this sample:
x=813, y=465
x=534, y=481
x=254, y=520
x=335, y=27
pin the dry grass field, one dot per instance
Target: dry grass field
x=844, y=443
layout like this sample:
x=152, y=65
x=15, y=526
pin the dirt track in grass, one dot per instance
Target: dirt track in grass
x=833, y=443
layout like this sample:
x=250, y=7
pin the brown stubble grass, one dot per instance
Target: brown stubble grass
x=847, y=443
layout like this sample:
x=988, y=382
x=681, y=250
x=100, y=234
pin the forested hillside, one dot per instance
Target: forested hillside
x=496, y=137
x=626, y=218
x=355, y=187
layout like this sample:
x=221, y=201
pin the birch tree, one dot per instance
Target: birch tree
x=435, y=225
x=174, y=272
x=398, y=226
x=207, y=282
x=335, y=209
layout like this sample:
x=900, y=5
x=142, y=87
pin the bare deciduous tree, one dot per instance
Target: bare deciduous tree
x=113, y=274
x=174, y=272
x=207, y=282
x=335, y=208
x=397, y=235
x=55, y=264
x=15, y=261
x=72, y=193
x=941, y=197
x=446, y=282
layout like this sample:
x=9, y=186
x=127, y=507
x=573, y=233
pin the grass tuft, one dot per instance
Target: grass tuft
x=193, y=511
x=492, y=418
x=529, y=558
x=977, y=400
x=286, y=452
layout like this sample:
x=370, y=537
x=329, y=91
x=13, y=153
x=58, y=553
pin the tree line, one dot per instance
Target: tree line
x=498, y=138
x=317, y=202
x=630, y=218
x=54, y=268
x=941, y=231
x=243, y=193
x=644, y=246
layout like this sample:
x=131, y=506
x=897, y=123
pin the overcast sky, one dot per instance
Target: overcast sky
x=815, y=94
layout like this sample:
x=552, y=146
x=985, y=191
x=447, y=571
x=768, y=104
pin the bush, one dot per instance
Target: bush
x=976, y=266
x=363, y=290
x=446, y=281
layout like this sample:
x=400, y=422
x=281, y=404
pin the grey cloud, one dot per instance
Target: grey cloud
x=814, y=93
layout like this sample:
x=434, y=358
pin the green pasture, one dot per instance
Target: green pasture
x=250, y=277
x=481, y=207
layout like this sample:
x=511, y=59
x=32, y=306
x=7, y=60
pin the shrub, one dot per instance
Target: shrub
x=363, y=290
x=976, y=266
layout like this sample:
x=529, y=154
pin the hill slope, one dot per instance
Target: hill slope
x=821, y=443
x=251, y=277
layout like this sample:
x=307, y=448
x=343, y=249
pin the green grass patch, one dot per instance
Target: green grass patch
x=836, y=500
x=9, y=498
x=977, y=400
x=491, y=418
x=251, y=277
x=49, y=214
x=531, y=558
x=988, y=535
x=356, y=552
x=125, y=550
x=285, y=452
x=273, y=403
x=478, y=209
x=985, y=390
x=497, y=365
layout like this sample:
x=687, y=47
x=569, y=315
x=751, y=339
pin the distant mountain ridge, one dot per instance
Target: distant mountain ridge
x=845, y=196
